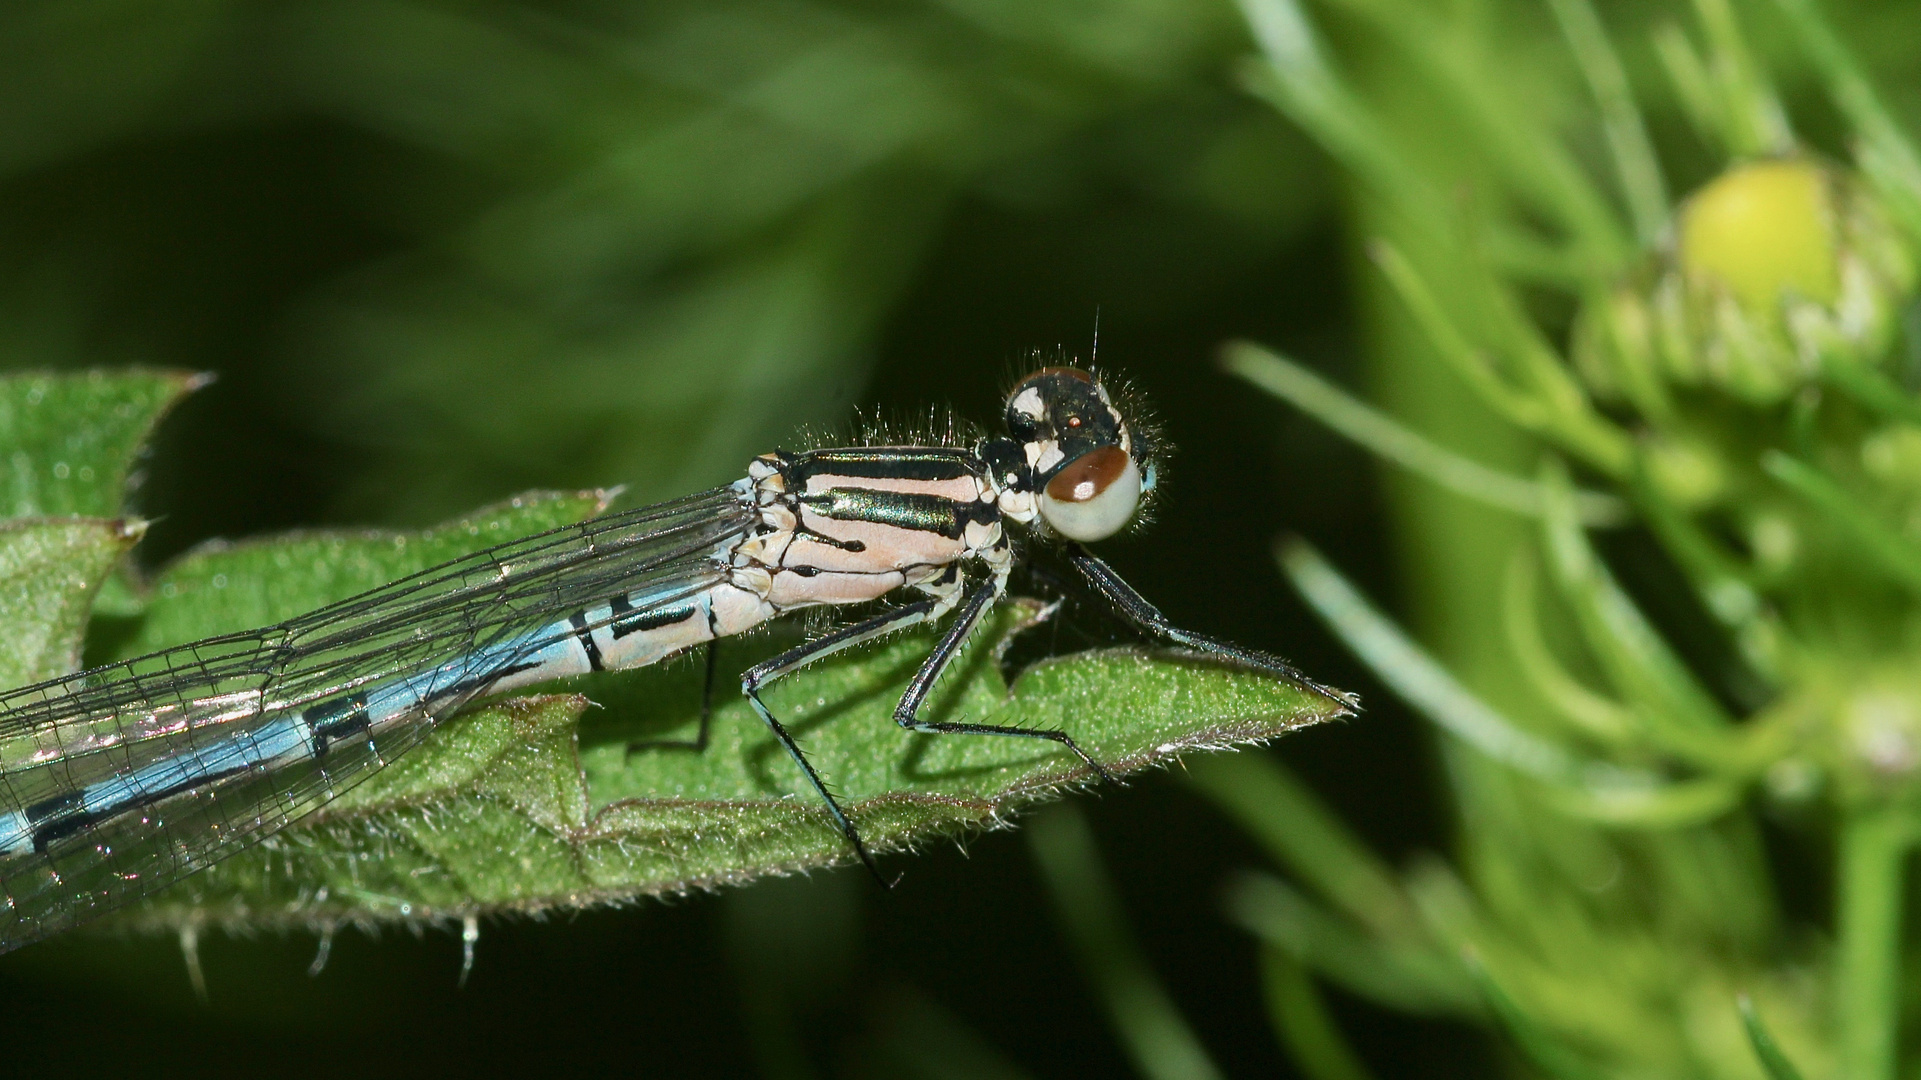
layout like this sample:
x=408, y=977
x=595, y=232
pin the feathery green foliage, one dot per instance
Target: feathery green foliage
x=1733, y=371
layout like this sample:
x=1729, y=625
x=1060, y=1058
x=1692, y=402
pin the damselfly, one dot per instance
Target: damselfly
x=121, y=780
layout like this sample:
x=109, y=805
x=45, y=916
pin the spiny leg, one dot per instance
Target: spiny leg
x=699, y=743
x=974, y=608
x=767, y=671
x=1135, y=610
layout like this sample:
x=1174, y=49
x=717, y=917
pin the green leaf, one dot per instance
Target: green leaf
x=512, y=806
x=70, y=441
x=50, y=572
x=68, y=444
x=224, y=587
x=1283, y=815
x=537, y=802
x=515, y=807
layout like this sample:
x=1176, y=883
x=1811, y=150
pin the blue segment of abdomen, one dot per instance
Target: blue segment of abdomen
x=285, y=739
x=294, y=736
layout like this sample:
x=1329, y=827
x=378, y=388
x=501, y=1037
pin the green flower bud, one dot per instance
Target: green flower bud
x=1687, y=472
x=1774, y=269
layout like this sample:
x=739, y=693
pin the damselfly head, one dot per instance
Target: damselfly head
x=1088, y=474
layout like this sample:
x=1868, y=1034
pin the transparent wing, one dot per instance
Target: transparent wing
x=224, y=713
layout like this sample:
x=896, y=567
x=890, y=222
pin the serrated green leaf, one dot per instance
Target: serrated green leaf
x=50, y=572
x=516, y=806
x=70, y=441
x=68, y=445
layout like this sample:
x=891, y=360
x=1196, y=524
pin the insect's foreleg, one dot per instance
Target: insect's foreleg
x=1131, y=607
x=792, y=660
x=973, y=610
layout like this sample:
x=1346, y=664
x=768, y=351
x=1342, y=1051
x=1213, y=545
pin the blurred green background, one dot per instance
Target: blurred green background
x=439, y=253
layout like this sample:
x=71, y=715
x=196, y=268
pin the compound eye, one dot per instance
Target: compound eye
x=1094, y=496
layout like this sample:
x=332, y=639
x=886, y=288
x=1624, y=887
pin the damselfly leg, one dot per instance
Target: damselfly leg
x=698, y=744
x=973, y=611
x=1133, y=608
x=772, y=669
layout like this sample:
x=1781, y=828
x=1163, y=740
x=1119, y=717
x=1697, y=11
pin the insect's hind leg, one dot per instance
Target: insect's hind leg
x=979, y=601
x=699, y=742
x=767, y=671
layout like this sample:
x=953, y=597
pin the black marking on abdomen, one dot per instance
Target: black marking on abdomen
x=481, y=682
x=629, y=619
x=587, y=643
x=332, y=721
x=54, y=807
x=67, y=824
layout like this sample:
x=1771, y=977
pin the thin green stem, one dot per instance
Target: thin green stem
x=1397, y=972
x=1313, y=843
x=1755, y=122
x=1450, y=344
x=1874, y=845
x=1388, y=439
x=1298, y=81
x=1635, y=165
x=1303, y=1022
x=1416, y=676
x=1885, y=150
x=1494, y=116
x=1692, y=85
x=1590, y=789
x=1874, y=538
x=1561, y=415
x=1873, y=390
x=1680, y=713
x=1766, y=1051
x=1533, y=1040
x=1146, y=1021
x=1595, y=715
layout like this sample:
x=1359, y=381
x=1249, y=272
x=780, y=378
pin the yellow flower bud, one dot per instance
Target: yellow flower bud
x=1761, y=232
x=1774, y=269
